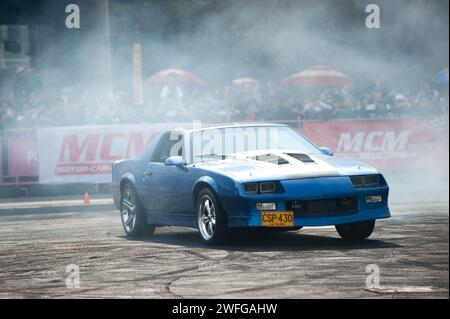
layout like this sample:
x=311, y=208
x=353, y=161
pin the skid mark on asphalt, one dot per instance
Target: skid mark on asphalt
x=175, y=263
x=406, y=289
x=284, y=284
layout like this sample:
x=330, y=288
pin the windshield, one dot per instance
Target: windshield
x=214, y=144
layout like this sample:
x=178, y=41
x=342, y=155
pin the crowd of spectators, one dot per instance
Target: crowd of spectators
x=28, y=106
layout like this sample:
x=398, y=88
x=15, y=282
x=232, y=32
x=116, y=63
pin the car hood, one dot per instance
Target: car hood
x=281, y=165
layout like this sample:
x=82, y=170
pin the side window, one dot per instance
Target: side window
x=164, y=147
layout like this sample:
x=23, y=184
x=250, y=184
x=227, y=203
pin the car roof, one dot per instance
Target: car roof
x=229, y=125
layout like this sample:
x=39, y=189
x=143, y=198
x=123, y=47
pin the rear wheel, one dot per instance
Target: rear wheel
x=356, y=231
x=133, y=215
x=211, y=219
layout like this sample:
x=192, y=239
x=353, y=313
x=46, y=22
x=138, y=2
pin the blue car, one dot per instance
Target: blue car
x=264, y=176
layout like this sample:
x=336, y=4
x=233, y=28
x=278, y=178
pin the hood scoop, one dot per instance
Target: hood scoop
x=278, y=160
x=301, y=157
x=269, y=158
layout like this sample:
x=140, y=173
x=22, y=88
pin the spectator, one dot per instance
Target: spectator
x=402, y=106
x=7, y=114
x=75, y=106
x=428, y=95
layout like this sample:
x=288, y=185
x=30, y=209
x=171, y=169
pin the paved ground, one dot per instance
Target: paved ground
x=38, y=240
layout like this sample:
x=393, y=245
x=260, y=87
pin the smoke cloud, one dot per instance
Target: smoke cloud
x=223, y=40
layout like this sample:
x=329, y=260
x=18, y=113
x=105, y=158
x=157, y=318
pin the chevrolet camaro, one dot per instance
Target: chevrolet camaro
x=264, y=176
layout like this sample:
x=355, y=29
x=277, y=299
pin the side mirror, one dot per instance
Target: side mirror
x=175, y=161
x=326, y=151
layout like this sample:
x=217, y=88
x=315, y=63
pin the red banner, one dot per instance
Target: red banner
x=18, y=157
x=85, y=154
x=386, y=144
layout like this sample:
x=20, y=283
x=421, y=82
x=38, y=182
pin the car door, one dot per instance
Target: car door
x=168, y=189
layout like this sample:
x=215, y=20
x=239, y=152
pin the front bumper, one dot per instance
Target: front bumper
x=241, y=210
x=254, y=220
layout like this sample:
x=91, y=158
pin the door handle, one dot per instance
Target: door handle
x=147, y=173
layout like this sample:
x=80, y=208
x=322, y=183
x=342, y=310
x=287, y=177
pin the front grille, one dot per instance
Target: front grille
x=323, y=207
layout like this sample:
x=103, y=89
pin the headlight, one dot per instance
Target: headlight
x=357, y=181
x=371, y=180
x=362, y=181
x=251, y=188
x=267, y=187
x=261, y=187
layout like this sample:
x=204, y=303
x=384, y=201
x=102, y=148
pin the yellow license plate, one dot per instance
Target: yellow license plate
x=277, y=219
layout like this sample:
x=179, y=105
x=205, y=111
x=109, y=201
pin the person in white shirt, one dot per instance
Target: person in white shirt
x=172, y=97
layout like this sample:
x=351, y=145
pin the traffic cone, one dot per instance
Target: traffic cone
x=86, y=198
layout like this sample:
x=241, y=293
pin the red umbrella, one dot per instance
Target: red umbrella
x=319, y=76
x=242, y=81
x=174, y=76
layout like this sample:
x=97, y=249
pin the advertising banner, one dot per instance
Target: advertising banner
x=85, y=154
x=386, y=144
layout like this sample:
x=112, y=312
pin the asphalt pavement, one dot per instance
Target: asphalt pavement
x=61, y=248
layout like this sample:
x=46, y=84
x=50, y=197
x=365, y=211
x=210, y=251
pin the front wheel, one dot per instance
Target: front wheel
x=356, y=231
x=212, y=223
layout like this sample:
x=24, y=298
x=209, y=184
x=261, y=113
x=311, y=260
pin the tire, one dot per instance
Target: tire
x=130, y=207
x=211, y=222
x=356, y=231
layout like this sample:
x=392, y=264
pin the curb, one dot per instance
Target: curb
x=56, y=209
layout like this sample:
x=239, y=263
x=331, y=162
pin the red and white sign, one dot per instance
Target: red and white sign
x=85, y=154
x=386, y=144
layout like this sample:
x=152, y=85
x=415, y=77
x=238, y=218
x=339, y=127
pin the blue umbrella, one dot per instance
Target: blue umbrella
x=441, y=78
